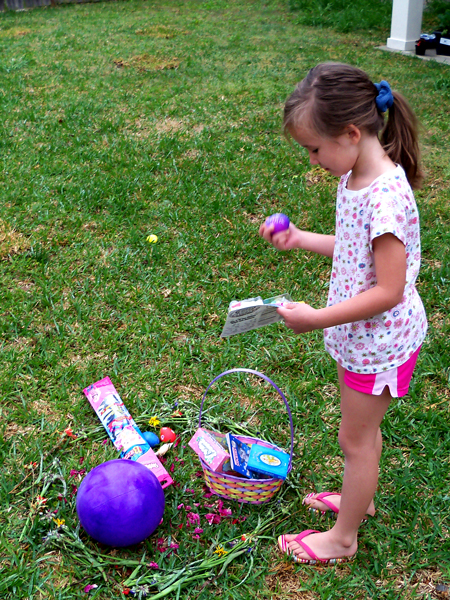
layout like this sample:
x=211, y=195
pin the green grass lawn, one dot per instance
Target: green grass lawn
x=125, y=119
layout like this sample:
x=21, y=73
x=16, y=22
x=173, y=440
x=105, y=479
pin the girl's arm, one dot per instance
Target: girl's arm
x=390, y=268
x=297, y=238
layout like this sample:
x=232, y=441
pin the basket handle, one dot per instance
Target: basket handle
x=271, y=383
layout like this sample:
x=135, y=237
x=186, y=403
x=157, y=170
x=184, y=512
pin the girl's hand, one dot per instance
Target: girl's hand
x=283, y=240
x=299, y=317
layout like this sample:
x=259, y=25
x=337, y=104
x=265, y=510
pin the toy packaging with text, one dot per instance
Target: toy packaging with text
x=122, y=429
x=245, y=315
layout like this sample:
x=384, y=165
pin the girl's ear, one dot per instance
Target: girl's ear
x=353, y=133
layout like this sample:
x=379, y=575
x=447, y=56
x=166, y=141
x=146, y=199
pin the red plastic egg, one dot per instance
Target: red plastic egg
x=167, y=435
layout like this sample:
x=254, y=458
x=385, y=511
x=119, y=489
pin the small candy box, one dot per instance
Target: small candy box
x=268, y=461
x=208, y=447
x=239, y=455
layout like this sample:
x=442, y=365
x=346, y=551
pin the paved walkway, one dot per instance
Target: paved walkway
x=430, y=54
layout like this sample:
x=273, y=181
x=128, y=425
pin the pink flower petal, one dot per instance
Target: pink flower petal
x=193, y=517
x=213, y=519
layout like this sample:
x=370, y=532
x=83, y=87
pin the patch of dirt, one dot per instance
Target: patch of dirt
x=160, y=31
x=285, y=582
x=188, y=392
x=168, y=126
x=45, y=409
x=13, y=430
x=14, y=32
x=11, y=241
x=181, y=337
x=438, y=320
x=425, y=583
x=21, y=343
x=316, y=176
x=254, y=219
x=148, y=62
x=26, y=285
x=192, y=154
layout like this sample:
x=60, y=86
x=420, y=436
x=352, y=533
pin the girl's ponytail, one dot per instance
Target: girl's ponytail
x=399, y=138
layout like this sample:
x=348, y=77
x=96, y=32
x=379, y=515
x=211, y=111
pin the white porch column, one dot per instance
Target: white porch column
x=406, y=24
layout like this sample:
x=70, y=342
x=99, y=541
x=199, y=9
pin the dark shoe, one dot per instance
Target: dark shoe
x=427, y=41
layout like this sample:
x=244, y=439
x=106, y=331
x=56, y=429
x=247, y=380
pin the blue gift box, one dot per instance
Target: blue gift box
x=268, y=461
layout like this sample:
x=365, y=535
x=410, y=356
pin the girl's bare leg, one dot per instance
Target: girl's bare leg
x=360, y=441
x=336, y=499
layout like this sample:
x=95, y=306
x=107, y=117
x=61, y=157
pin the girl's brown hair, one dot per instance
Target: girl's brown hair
x=333, y=96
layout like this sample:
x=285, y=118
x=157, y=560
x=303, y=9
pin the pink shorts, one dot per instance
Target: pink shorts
x=397, y=379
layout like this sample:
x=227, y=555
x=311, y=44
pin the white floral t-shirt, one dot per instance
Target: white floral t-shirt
x=387, y=340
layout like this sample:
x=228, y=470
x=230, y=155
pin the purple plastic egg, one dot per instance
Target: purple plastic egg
x=279, y=221
x=120, y=503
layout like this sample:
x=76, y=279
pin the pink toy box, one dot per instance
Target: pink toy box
x=208, y=447
x=122, y=429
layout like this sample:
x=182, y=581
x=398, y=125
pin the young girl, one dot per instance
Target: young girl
x=374, y=322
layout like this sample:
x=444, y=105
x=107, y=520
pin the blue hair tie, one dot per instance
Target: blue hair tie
x=385, y=99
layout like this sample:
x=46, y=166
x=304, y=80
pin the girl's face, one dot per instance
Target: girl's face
x=336, y=155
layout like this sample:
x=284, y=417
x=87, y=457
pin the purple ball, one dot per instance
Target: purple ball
x=120, y=503
x=279, y=221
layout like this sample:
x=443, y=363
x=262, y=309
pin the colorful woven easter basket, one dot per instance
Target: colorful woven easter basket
x=252, y=491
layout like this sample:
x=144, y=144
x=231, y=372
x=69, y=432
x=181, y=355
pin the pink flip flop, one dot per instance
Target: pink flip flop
x=314, y=559
x=322, y=497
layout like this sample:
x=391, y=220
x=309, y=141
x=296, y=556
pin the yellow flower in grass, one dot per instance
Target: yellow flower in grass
x=154, y=422
x=220, y=551
x=59, y=522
